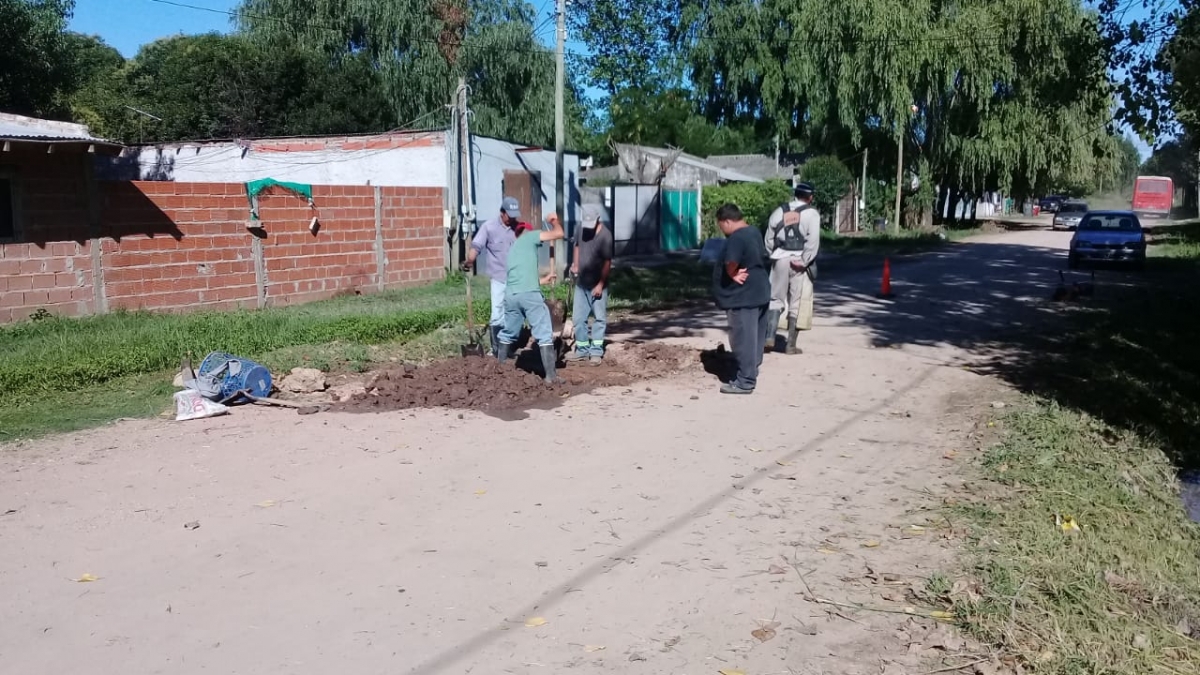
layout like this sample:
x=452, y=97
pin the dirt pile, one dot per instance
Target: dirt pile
x=483, y=384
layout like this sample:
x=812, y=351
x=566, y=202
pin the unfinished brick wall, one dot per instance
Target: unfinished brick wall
x=49, y=265
x=185, y=246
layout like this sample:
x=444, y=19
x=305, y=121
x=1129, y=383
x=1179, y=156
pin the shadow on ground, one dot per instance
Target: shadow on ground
x=1127, y=355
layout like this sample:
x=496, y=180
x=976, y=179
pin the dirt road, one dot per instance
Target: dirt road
x=633, y=530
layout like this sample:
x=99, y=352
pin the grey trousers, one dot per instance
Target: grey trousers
x=747, y=338
x=791, y=291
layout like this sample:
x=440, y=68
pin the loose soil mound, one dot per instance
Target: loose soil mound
x=483, y=384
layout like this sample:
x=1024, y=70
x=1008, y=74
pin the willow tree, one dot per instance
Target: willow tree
x=421, y=47
x=1008, y=93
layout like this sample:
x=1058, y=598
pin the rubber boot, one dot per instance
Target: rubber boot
x=772, y=326
x=793, y=333
x=549, y=356
x=495, y=335
x=503, y=351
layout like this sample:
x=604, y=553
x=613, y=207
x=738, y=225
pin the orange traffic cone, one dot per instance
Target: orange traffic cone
x=885, y=287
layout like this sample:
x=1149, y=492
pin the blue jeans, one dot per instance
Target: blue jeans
x=531, y=307
x=590, y=343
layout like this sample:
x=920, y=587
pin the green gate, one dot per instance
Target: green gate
x=680, y=229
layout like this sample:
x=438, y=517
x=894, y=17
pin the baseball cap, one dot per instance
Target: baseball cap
x=592, y=215
x=512, y=207
x=804, y=189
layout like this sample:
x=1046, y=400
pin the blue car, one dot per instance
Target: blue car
x=1108, y=237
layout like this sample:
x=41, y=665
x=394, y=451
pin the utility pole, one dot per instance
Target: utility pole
x=862, y=204
x=464, y=170
x=899, y=179
x=560, y=76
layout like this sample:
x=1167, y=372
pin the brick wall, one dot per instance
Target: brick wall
x=185, y=246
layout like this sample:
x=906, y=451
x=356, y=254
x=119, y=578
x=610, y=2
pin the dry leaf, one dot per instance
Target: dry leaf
x=1067, y=523
x=763, y=634
x=826, y=551
x=266, y=504
x=781, y=462
x=591, y=649
x=953, y=454
x=731, y=672
x=776, y=569
x=941, y=616
x=535, y=622
x=871, y=544
x=754, y=450
x=87, y=578
x=480, y=493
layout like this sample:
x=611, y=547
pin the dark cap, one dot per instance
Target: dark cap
x=804, y=190
x=511, y=207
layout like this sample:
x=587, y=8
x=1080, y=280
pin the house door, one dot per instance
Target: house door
x=526, y=188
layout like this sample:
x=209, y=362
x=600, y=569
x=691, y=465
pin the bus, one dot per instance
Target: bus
x=1153, y=196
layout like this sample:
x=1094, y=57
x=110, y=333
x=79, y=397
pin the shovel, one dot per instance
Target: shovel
x=473, y=348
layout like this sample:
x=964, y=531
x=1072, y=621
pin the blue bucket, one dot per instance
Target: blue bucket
x=242, y=375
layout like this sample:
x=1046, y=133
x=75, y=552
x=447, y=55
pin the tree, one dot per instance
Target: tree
x=420, y=47
x=831, y=182
x=1141, y=47
x=1180, y=59
x=35, y=65
x=668, y=118
x=1008, y=93
x=99, y=93
x=227, y=86
x=628, y=44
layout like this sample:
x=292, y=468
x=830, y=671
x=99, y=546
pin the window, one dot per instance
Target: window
x=8, y=215
x=1121, y=223
x=1073, y=207
x=1153, y=187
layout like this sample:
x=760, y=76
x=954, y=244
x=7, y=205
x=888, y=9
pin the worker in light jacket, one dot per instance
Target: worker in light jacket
x=793, y=240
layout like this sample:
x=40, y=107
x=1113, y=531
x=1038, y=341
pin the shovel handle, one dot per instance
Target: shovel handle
x=470, y=310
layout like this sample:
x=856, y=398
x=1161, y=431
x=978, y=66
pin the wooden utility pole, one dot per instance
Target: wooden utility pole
x=899, y=179
x=465, y=210
x=862, y=204
x=560, y=76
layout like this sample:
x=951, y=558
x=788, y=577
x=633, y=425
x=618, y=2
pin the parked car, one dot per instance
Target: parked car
x=1050, y=203
x=1108, y=237
x=1153, y=196
x=1069, y=215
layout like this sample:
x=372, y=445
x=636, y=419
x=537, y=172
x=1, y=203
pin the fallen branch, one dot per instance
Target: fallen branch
x=951, y=669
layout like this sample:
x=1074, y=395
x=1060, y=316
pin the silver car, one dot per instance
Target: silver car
x=1069, y=215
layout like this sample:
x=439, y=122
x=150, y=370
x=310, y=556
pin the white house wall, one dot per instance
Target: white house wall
x=493, y=157
x=415, y=165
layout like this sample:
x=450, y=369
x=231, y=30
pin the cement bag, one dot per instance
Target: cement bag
x=192, y=405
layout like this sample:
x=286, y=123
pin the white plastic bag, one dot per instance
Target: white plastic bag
x=191, y=405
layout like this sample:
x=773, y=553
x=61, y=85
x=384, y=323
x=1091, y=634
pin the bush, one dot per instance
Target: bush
x=756, y=200
x=831, y=182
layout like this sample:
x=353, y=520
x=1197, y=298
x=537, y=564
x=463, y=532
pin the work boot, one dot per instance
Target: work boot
x=548, y=359
x=503, y=351
x=772, y=327
x=793, y=333
x=495, y=335
x=576, y=356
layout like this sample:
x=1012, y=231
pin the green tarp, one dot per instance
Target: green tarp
x=256, y=187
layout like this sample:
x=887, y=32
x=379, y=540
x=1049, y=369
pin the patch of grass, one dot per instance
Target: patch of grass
x=1119, y=596
x=55, y=356
x=1180, y=241
x=135, y=396
x=887, y=243
x=672, y=283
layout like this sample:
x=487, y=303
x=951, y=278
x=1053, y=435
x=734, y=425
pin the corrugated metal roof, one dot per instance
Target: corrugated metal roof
x=21, y=128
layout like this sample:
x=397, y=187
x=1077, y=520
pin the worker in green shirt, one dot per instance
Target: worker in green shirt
x=523, y=299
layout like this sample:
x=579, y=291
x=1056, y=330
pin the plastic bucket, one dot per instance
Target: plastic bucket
x=242, y=375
